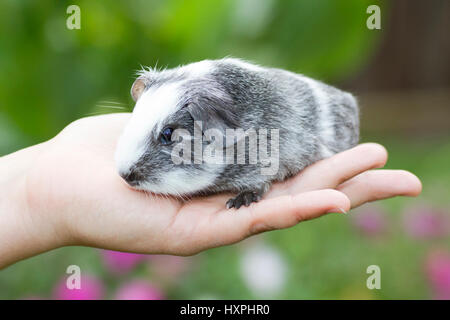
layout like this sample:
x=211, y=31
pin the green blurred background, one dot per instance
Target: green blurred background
x=51, y=76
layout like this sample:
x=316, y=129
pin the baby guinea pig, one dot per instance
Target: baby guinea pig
x=260, y=125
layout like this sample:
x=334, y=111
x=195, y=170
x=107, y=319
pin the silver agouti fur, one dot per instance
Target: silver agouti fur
x=314, y=120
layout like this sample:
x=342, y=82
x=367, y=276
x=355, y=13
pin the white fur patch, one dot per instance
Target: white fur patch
x=179, y=182
x=198, y=69
x=243, y=64
x=154, y=105
x=326, y=130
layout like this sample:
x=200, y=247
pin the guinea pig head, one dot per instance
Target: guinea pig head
x=161, y=147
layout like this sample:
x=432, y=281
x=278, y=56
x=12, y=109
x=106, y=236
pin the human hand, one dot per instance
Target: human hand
x=74, y=196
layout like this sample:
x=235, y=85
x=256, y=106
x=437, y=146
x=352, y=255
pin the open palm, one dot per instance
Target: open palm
x=74, y=183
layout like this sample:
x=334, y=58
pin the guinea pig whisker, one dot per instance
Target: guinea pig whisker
x=112, y=102
x=111, y=107
x=174, y=191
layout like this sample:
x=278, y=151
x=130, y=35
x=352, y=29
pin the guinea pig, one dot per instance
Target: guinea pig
x=219, y=106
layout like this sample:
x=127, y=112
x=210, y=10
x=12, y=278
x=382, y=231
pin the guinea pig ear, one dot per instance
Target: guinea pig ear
x=137, y=88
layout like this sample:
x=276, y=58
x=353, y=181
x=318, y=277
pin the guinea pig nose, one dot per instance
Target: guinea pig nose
x=132, y=177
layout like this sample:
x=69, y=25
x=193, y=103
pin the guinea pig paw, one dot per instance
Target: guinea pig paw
x=244, y=198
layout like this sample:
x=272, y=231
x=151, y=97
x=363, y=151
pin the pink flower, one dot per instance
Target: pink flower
x=370, y=220
x=438, y=274
x=422, y=222
x=121, y=262
x=138, y=290
x=90, y=289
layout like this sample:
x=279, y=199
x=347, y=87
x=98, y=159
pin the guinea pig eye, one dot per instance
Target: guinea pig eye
x=166, y=136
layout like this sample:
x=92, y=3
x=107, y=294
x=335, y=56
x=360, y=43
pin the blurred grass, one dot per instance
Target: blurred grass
x=52, y=76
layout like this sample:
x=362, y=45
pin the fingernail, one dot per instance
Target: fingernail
x=337, y=210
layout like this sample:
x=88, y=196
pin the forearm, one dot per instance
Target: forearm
x=23, y=233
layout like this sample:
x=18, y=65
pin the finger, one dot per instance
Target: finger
x=380, y=184
x=277, y=213
x=330, y=172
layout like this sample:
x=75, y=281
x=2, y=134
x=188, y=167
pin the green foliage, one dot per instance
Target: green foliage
x=51, y=75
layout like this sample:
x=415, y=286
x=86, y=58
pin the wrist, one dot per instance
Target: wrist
x=25, y=229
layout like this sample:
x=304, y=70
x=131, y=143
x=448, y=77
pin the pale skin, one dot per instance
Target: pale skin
x=66, y=191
